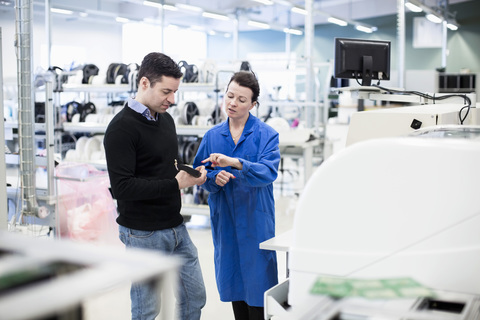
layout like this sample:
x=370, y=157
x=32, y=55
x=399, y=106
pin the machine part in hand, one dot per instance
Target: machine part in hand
x=188, y=169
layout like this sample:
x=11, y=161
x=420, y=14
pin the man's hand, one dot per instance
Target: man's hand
x=185, y=180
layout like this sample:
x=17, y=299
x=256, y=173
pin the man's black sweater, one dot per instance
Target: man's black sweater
x=140, y=160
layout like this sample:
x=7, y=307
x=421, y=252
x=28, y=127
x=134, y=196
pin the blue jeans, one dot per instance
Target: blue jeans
x=191, y=295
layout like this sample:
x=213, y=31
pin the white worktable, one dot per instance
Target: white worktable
x=281, y=242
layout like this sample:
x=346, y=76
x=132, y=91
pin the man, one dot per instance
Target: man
x=141, y=148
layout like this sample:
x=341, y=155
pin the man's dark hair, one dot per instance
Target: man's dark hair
x=155, y=65
x=249, y=80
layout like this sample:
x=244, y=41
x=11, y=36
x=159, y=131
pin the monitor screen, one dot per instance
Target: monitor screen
x=362, y=60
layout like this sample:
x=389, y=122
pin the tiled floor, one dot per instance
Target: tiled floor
x=116, y=304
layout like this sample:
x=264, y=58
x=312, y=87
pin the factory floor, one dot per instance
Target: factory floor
x=116, y=304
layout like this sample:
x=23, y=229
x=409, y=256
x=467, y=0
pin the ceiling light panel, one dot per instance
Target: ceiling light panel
x=433, y=18
x=216, y=16
x=152, y=4
x=337, y=21
x=61, y=11
x=188, y=7
x=264, y=2
x=299, y=10
x=258, y=24
x=364, y=29
x=412, y=7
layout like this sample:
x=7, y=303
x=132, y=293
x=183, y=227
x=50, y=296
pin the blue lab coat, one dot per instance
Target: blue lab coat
x=242, y=212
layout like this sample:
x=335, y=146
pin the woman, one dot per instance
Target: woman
x=242, y=158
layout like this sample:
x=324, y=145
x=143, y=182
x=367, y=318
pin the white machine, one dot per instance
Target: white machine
x=394, y=122
x=389, y=208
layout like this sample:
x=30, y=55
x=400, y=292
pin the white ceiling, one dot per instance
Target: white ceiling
x=278, y=14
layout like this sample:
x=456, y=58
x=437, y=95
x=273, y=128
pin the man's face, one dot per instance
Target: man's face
x=159, y=97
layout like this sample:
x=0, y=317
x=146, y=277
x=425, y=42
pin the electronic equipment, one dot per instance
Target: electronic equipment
x=362, y=59
x=389, y=208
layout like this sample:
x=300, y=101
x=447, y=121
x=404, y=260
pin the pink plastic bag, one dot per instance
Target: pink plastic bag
x=86, y=210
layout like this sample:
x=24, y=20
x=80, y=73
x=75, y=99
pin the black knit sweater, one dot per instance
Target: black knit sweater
x=140, y=160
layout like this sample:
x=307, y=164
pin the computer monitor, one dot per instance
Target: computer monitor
x=362, y=59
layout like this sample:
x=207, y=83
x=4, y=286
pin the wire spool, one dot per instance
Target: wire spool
x=205, y=106
x=71, y=108
x=208, y=71
x=80, y=145
x=195, y=120
x=71, y=155
x=190, y=110
x=178, y=121
x=68, y=142
x=204, y=121
x=279, y=124
x=217, y=114
x=96, y=155
x=189, y=151
x=174, y=111
x=92, y=118
x=102, y=147
x=91, y=146
x=86, y=109
x=75, y=118
x=76, y=77
x=98, y=80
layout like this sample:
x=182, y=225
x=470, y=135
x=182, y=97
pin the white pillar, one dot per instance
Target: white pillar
x=401, y=42
x=310, y=77
x=3, y=173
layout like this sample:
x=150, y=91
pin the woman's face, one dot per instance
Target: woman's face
x=238, y=101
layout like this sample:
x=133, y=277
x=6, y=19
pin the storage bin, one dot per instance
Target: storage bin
x=86, y=211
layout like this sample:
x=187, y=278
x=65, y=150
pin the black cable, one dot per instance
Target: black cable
x=427, y=96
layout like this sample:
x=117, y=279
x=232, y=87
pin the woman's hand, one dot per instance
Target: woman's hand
x=223, y=177
x=221, y=160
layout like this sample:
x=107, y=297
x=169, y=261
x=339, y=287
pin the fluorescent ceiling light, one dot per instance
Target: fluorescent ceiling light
x=413, y=7
x=364, y=29
x=83, y=14
x=152, y=4
x=61, y=11
x=258, y=24
x=188, y=7
x=122, y=20
x=217, y=16
x=293, y=31
x=337, y=21
x=265, y=2
x=433, y=18
x=299, y=10
x=452, y=26
x=284, y=2
x=170, y=7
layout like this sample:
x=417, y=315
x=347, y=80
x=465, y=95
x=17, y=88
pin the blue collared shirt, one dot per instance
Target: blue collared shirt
x=140, y=108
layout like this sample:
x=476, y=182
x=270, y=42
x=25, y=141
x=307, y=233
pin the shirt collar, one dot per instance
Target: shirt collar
x=140, y=108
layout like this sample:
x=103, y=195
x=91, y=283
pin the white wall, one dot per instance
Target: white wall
x=99, y=43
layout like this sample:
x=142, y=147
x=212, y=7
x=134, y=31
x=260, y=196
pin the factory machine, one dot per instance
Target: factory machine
x=399, y=204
